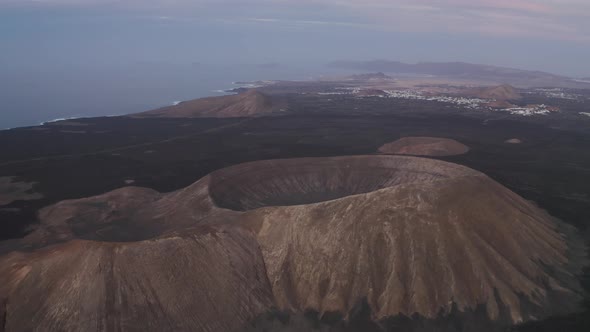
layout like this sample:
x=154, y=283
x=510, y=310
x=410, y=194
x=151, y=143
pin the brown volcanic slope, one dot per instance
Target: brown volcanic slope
x=501, y=92
x=425, y=146
x=409, y=235
x=212, y=279
x=247, y=104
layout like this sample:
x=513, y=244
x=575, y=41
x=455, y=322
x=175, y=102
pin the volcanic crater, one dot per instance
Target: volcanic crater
x=409, y=236
x=304, y=181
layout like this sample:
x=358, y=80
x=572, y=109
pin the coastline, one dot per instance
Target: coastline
x=218, y=92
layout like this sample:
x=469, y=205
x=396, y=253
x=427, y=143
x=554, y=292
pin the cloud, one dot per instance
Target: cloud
x=544, y=19
x=311, y=23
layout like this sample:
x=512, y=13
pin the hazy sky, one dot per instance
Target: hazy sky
x=551, y=35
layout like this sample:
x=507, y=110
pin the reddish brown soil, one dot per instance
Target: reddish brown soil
x=210, y=279
x=501, y=92
x=425, y=146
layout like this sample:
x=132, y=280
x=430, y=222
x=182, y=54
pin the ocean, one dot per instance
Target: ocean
x=30, y=96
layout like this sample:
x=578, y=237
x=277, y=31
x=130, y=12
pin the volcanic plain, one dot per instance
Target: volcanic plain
x=278, y=208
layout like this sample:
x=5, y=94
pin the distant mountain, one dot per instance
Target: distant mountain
x=249, y=103
x=461, y=70
x=370, y=76
x=436, y=68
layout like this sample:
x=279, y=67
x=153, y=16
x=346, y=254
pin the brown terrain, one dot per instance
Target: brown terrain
x=499, y=93
x=210, y=279
x=12, y=190
x=371, y=93
x=425, y=146
x=408, y=235
x=246, y=104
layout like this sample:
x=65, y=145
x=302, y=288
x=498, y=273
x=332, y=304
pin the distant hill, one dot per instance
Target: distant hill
x=247, y=104
x=370, y=76
x=462, y=70
x=425, y=146
x=370, y=93
x=501, y=92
